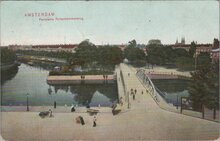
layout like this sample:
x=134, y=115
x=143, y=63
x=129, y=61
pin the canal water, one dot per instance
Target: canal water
x=32, y=81
x=173, y=89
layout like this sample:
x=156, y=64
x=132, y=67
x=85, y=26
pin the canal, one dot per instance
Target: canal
x=32, y=80
x=173, y=89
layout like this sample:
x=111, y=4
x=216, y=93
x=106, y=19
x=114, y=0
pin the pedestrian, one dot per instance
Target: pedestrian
x=50, y=113
x=73, y=108
x=94, y=121
x=121, y=101
x=133, y=96
x=55, y=104
x=81, y=120
x=131, y=90
x=135, y=91
x=142, y=92
x=87, y=104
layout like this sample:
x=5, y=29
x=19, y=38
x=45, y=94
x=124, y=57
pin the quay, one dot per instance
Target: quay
x=78, y=79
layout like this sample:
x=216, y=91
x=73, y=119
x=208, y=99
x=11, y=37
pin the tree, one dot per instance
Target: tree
x=134, y=54
x=185, y=63
x=203, y=59
x=204, y=89
x=132, y=43
x=159, y=54
x=7, y=56
x=192, y=49
x=215, y=43
x=109, y=56
x=85, y=54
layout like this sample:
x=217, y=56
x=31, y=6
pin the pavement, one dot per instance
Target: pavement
x=145, y=120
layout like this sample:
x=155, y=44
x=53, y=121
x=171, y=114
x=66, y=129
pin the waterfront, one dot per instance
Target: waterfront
x=32, y=80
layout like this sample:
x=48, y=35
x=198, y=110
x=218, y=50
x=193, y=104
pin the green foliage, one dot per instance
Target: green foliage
x=7, y=56
x=203, y=59
x=134, y=54
x=192, y=49
x=204, y=89
x=85, y=54
x=132, y=43
x=159, y=54
x=109, y=55
x=185, y=63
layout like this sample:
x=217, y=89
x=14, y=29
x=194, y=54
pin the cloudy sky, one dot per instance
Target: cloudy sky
x=109, y=22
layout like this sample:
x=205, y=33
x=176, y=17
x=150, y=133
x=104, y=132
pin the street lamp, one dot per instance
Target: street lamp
x=128, y=100
x=195, y=55
x=27, y=102
x=177, y=102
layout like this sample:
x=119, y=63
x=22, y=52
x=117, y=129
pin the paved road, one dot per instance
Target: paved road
x=144, y=121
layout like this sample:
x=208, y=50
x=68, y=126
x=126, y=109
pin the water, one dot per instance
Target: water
x=32, y=80
x=174, y=89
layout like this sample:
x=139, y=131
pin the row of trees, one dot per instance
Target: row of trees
x=184, y=60
x=88, y=55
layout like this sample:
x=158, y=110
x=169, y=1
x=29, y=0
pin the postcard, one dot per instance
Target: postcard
x=109, y=70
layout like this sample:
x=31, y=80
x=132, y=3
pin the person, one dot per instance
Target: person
x=128, y=74
x=142, y=92
x=121, y=101
x=135, y=91
x=94, y=121
x=81, y=120
x=87, y=104
x=50, y=113
x=73, y=108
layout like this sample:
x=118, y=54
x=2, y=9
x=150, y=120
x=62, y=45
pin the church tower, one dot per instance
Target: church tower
x=176, y=41
x=183, y=41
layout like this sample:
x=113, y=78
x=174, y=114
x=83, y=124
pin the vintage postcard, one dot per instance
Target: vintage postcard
x=109, y=70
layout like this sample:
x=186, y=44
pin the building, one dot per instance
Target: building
x=154, y=41
x=215, y=54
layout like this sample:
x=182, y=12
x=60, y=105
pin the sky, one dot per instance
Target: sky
x=108, y=22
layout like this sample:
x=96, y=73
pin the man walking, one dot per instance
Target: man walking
x=94, y=121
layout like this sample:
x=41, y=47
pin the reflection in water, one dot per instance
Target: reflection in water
x=174, y=89
x=32, y=80
x=8, y=74
x=94, y=94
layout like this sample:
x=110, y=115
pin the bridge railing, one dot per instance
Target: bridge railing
x=148, y=83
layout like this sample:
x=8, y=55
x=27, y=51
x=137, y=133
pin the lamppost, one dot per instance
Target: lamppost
x=128, y=100
x=195, y=55
x=27, y=102
x=177, y=102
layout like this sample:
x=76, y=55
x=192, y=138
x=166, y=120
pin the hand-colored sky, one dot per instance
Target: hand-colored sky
x=110, y=22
